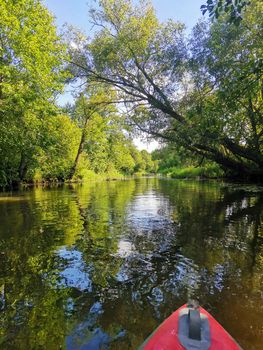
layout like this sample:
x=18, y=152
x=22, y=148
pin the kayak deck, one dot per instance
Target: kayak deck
x=172, y=333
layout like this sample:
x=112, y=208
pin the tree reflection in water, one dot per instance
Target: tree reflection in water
x=99, y=266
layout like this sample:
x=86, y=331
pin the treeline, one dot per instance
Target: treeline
x=202, y=91
x=201, y=94
x=55, y=149
x=38, y=140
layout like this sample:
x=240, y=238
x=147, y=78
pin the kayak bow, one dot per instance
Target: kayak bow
x=190, y=328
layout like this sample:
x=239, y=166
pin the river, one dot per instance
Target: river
x=100, y=265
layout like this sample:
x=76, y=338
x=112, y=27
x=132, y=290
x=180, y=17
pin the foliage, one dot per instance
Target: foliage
x=177, y=163
x=58, y=145
x=104, y=143
x=215, y=8
x=150, y=165
x=209, y=171
x=170, y=156
x=37, y=141
x=30, y=74
x=229, y=76
x=203, y=94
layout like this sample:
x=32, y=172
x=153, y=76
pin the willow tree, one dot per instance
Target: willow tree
x=205, y=96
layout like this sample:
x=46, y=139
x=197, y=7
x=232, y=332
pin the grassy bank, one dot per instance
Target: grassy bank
x=208, y=171
x=84, y=176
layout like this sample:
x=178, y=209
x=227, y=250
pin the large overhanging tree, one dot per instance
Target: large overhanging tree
x=204, y=93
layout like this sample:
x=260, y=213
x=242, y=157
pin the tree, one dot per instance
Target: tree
x=83, y=112
x=150, y=66
x=169, y=157
x=58, y=145
x=149, y=164
x=104, y=143
x=216, y=8
x=121, y=152
x=93, y=110
x=227, y=99
x=31, y=56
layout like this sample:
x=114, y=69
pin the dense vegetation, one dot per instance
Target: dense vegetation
x=233, y=8
x=201, y=95
x=179, y=164
x=38, y=140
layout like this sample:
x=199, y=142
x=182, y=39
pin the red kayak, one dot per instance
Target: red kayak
x=190, y=328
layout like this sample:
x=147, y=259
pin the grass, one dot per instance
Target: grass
x=208, y=171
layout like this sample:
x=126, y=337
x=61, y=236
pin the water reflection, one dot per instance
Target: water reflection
x=100, y=266
x=75, y=273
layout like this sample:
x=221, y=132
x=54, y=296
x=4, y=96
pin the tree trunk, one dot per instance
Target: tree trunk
x=252, y=118
x=80, y=149
x=237, y=167
x=244, y=161
x=22, y=170
x=81, y=144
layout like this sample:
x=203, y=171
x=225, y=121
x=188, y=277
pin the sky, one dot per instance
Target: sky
x=75, y=12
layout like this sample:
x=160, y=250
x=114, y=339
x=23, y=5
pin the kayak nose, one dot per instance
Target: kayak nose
x=193, y=328
x=190, y=328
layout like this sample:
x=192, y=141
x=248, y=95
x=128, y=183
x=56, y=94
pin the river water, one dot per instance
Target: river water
x=100, y=265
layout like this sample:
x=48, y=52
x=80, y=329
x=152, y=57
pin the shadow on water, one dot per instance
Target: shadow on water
x=99, y=266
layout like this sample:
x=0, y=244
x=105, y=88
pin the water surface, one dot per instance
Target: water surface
x=100, y=265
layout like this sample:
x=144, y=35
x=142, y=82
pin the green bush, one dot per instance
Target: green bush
x=208, y=171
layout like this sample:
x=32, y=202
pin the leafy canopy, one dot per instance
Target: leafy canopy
x=202, y=93
x=234, y=8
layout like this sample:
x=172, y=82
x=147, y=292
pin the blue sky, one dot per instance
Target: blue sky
x=75, y=12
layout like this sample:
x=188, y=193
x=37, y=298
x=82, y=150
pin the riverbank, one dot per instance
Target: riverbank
x=90, y=177
x=191, y=172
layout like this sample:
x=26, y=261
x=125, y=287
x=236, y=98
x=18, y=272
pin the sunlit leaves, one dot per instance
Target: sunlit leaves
x=233, y=8
x=31, y=56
